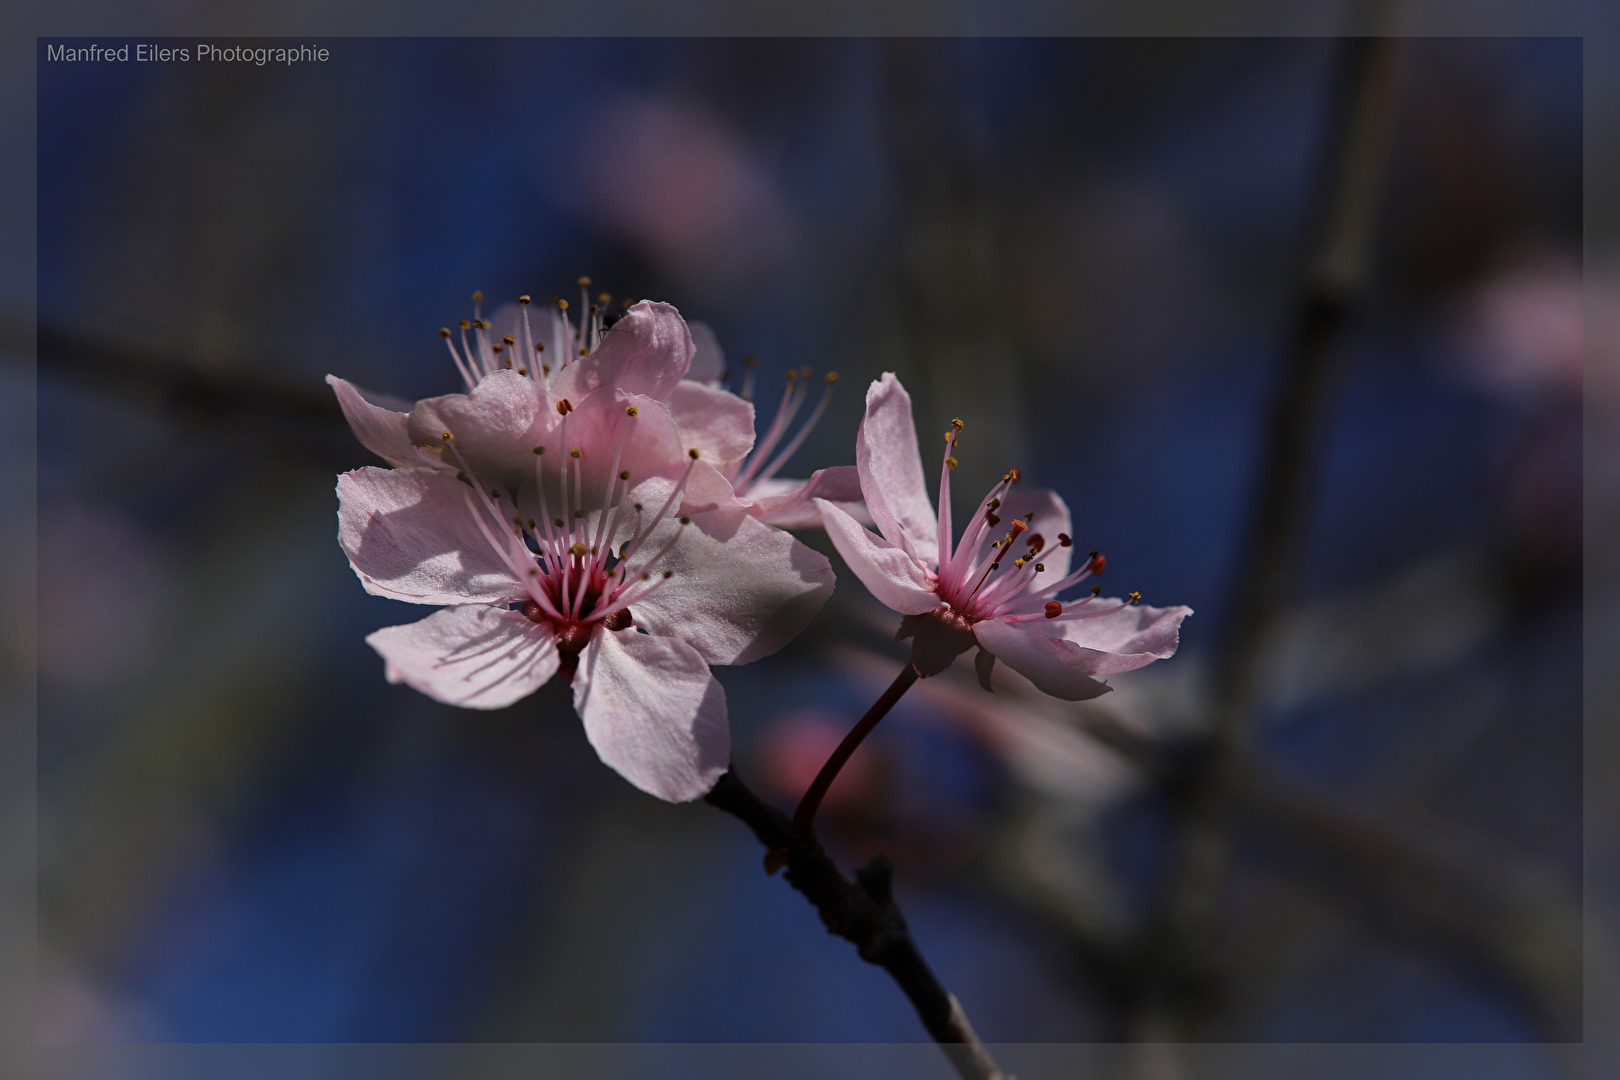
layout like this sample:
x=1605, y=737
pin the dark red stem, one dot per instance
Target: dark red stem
x=804, y=817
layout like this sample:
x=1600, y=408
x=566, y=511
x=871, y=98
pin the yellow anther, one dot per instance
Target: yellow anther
x=604, y=299
x=562, y=305
x=574, y=453
x=577, y=548
x=957, y=424
x=497, y=347
x=478, y=296
x=631, y=410
x=509, y=339
x=446, y=436
x=584, y=282
x=465, y=325
x=1019, y=563
x=832, y=378
x=950, y=463
x=1040, y=568
x=524, y=299
x=1135, y=597
x=444, y=331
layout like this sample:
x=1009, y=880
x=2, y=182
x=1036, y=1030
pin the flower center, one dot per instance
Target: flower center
x=990, y=574
x=565, y=557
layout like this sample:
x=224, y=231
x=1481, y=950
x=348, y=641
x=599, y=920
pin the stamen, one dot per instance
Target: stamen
x=804, y=432
x=461, y=369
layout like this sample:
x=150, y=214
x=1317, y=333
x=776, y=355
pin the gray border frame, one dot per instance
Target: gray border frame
x=1597, y=1056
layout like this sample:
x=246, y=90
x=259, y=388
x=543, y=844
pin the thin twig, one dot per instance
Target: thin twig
x=804, y=818
x=864, y=913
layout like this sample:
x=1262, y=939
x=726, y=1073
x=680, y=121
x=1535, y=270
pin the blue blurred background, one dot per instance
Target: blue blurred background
x=1088, y=250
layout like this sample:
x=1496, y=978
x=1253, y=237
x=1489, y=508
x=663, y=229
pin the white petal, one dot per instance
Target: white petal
x=475, y=656
x=789, y=504
x=653, y=712
x=740, y=589
x=891, y=574
x=379, y=426
x=496, y=427
x=891, y=471
x=1056, y=666
x=718, y=423
x=647, y=352
x=410, y=535
x=1131, y=638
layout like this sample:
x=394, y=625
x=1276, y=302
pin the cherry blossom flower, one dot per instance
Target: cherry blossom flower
x=582, y=537
x=995, y=589
x=680, y=365
x=645, y=349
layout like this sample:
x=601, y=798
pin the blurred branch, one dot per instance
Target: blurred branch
x=174, y=380
x=864, y=913
x=1181, y=930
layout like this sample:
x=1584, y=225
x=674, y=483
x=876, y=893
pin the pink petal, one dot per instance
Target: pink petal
x=788, y=504
x=496, y=427
x=647, y=352
x=891, y=574
x=648, y=444
x=1051, y=518
x=740, y=589
x=474, y=656
x=409, y=535
x=379, y=427
x=653, y=712
x=1125, y=641
x=891, y=471
x=1056, y=666
x=717, y=422
x=708, y=359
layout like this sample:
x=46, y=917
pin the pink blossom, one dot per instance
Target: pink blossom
x=543, y=358
x=780, y=501
x=582, y=536
x=997, y=590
